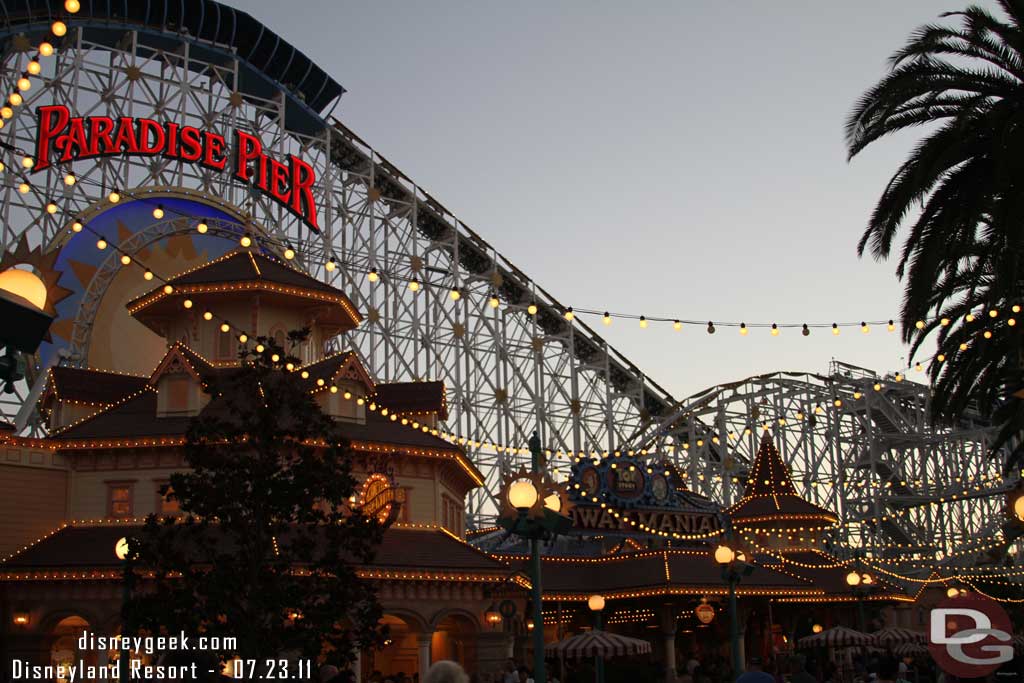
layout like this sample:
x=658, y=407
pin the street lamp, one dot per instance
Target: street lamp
x=537, y=509
x=123, y=553
x=1018, y=507
x=25, y=321
x=596, y=604
x=734, y=568
x=861, y=584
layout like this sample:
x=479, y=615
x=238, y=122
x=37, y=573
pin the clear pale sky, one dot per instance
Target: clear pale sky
x=682, y=159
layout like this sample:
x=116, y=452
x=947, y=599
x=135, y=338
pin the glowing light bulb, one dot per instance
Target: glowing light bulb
x=114, y=197
x=34, y=67
x=45, y=49
x=919, y=324
x=414, y=285
x=993, y=313
x=865, y=328
x=743, y=329
x=877, y=387
x=330, y=265
x=455, y=294
x=289, y=253
x=606, y=318
x=6, y=112
x=168, y=289
x=918, y=367
x=857, y=395
x=28, y=162
x=569, y=315
x=76, y=227
x=148, y=275
x=158, y=212
x=207, y=315
x=891, y=326
x=969, y=318
x=187, y=303
x=1011, y=322
x=372, y=276
x=260, y=348
x=775, y=330
x=944, y=322
x=1015, y=308
x=15, y=99
x=898, y=377
x=24, y=188
x=941, y=357
x=837, y=403
x=72, y=6
x=59, y=28
x=987, y=334
x=70, y=179
x=835, y=329
x=275, y=357
x=676, y=325
x=224, y=327
x=101, y=244
x=494, y=302
x=51, y=208
x=643, y=322
x=532, y=309
x=24, y=84
x=246, y=241
x=963, y=346
x=243, y=337
x=126, y=259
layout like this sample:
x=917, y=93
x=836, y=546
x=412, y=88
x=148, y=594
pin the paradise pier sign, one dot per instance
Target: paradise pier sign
x=632, y=520
x=62, y=138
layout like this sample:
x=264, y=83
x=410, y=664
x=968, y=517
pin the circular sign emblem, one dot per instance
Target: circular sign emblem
x=705, y=613
x=969, y=636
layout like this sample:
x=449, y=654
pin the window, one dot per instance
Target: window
x=225, y=345
x=451, y=515
x=119, y=500
x=164, y=506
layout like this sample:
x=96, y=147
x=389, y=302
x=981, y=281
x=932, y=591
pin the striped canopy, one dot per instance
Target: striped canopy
x=837, y=636
x=910, y=650
x=893, y=636
x=597, y=644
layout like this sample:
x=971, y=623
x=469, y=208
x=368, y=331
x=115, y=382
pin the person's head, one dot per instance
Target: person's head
x=445, y=671
x=888, y=669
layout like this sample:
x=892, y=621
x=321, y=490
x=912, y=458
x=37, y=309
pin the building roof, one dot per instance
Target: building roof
x=91, y=547
x=243, y=270
x=93, y=387
x=771, y=498
x=407, y=398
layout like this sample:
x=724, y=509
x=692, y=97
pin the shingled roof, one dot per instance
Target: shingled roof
x=244, y=265
x=93, y=387
x=771, y=498
x=407, y=398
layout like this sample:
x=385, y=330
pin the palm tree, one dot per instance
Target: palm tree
x=957, y=202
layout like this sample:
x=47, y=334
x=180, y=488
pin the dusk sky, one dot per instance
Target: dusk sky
x=677, y=159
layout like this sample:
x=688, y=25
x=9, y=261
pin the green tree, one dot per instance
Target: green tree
x=957, y=202
x=268, y=549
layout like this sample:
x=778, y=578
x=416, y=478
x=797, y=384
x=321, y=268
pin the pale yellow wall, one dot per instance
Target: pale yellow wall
x=89, y=491
x=33, y=497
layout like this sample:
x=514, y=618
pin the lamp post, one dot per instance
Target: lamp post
x=734, y=568
x=535, y=508
x=123, y=553
x=25, y=321
x=861, y=584
x=596, y=604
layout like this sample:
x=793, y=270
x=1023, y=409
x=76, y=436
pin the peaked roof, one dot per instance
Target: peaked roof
x=407, y=398
x=244, y=270
x=770, y=495
x=92, y=387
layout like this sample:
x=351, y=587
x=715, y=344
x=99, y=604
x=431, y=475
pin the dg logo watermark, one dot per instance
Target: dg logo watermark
x=970, y=636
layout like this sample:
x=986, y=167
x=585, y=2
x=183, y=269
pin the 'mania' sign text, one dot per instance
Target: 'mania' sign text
x=62, y=138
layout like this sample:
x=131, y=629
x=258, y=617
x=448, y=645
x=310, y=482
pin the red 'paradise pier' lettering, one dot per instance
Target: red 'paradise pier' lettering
x=62, y=138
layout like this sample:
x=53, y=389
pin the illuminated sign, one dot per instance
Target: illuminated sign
x=62, y=138
x=705, y=613
x=658, y=520
x=378, y=498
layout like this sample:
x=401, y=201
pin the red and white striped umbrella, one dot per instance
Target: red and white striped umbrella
x=597, y=644
x=837, y=636
x=893, y=636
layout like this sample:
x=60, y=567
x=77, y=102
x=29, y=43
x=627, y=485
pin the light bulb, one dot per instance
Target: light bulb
x=865, y=328
x=372, y=276
x=1011, y=322
x=24, y=84
x=126, y=259
x=944, y=322
x=243, y=337
x=569, y=315
x=835, y=329
x=260, y=348
x=114, y=197
x=51, y=208
x=743, y=329
x=15, y=99
x=224, y=327
x=24, y=188
x=34, y=67
x=45, y=49
x=970, y=318
x=676, y=325
x=963, y=346
x=993, y=313
x=148, y=275
x=919, y=324
x=329, y=266
x=6, y=112
x=606, y=318
x=494, y=302
x=59, y=28
x=72, y=6
x=1015, y=308
x=414, y=285
x=101, y=244
x=941, y=357
x=987, y=334
x=289, y=253
x=76, y=227
x=158, y=212
x=168, y=289
x=775, y=330
x=70, y=179
x=837, y=403
x=274, y=357
x=455, y=294
x=207, y=315
x=806, y=331
x=898, y=377
x=891, y=326
x=246, y=241
x=187, y=303
x=532, y=309
x=28, y=162
x=643, y=322
x=918, y=367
